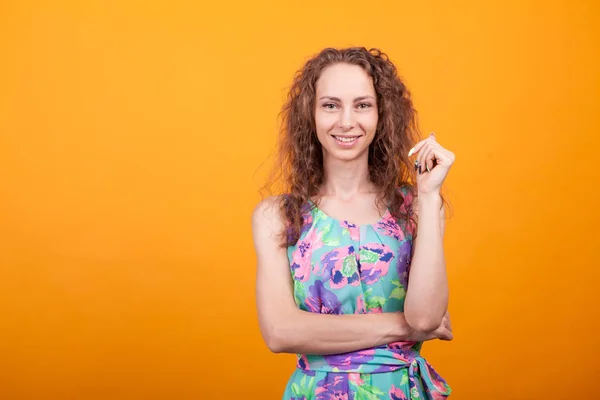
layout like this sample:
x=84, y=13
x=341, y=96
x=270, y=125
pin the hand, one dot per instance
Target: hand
x=444, y=332
x=432, y=164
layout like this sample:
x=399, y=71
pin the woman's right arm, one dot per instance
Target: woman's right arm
x=287, y=329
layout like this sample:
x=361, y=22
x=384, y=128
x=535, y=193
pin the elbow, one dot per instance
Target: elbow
x=277, y=340
x=275, y=345
x=423, y=323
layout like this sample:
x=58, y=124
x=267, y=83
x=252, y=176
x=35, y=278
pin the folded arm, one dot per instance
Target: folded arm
x=286, y=329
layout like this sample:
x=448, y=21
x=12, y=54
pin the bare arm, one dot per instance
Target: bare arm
x=427, y=293
x=426, y=300
x=286, y=329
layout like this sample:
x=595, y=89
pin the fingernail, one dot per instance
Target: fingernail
x=419, y=170
x=432, y=133
x=428, y=170
x=410, y=153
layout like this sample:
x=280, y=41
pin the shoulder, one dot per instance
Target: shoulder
x=408, y=194
x=410, y=205
x=267, y=213
x=267, y=225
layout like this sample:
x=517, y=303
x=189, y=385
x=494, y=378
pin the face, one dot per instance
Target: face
x=345, y=111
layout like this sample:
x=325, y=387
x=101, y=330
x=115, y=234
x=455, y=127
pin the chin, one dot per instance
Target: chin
x=347, y=155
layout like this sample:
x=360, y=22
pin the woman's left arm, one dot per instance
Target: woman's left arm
x=426, y=300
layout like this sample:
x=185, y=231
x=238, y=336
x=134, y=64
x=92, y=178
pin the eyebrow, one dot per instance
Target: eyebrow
x=356, y=99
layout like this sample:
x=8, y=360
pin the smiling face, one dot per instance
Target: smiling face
x=345, y=111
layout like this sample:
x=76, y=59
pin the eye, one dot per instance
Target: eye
x=329, y=106
x=364, y=105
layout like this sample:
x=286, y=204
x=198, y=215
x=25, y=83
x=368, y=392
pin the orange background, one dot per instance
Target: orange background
x=130, y=137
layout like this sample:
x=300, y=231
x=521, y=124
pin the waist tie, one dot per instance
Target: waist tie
x=383, y=359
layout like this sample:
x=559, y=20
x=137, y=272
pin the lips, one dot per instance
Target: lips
x=346, y=139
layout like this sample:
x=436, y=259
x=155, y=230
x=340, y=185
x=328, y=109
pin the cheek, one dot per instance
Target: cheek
x=324, y=122
x=369, y=122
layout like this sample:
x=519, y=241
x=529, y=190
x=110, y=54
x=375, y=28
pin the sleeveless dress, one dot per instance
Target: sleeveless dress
x=343, y=268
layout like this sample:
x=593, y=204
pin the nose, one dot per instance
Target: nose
x=347, y=120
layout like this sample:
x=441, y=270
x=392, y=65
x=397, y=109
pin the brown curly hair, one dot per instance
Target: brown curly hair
x=300, y=158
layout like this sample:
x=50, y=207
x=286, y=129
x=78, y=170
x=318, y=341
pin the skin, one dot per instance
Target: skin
x=345, y=106
x=426, y=300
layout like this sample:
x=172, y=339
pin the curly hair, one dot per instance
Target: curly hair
x=300, y=157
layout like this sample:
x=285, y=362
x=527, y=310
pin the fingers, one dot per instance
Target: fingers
x=425, y=162
x=432, y=154
x=450, y=335
x=448, y=323
x=445, y=334
x=446, y=320
x=428, y=156
x=420, y=144
x=445, y=329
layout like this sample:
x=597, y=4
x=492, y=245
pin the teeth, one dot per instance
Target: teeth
x=345, y=139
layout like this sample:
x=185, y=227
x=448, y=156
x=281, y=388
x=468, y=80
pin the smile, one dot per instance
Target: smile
x=346, y=139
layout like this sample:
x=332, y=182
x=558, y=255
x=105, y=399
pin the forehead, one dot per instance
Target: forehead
x=344, y=80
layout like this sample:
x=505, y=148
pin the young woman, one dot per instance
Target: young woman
x=351, y=271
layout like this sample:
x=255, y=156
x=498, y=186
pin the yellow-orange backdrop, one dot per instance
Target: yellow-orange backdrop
x=130, y=133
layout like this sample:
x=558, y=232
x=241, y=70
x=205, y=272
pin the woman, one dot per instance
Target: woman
x=334, y=252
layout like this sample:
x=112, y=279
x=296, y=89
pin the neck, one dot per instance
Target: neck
x=345, y=179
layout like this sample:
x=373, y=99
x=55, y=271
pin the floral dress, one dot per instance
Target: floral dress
x=342, y=268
